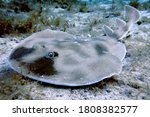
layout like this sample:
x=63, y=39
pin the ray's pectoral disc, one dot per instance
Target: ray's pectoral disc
x=66, y=63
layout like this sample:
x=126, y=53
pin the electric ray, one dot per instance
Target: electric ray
x=56, y=57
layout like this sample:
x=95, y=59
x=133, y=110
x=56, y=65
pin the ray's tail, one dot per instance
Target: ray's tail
x=132, y=14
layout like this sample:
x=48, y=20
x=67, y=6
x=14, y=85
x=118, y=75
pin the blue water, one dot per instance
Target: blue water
x=102, y=1
x=110, y=1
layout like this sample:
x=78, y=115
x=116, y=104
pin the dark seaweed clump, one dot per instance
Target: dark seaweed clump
x=5, y=27
x=66, y=4
x=140, y=5
x=135, y=3
x=19, y=6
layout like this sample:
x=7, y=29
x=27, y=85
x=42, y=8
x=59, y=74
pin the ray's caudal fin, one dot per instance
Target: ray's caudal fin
x=132, y=14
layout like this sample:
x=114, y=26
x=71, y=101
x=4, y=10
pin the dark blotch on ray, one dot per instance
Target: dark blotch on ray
x=100, y=49
x=42, y=66
x=20, y=52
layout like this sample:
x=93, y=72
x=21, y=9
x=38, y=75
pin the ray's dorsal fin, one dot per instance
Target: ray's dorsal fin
x=122, y=29
x=132, y=15
x=120, y=23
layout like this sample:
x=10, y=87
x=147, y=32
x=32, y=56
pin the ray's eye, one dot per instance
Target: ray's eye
x=52, y=55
